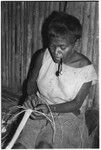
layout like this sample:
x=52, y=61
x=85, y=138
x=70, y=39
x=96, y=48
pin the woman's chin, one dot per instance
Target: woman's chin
x=56, y=60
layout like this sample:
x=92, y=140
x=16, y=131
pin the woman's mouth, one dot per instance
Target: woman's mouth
x=57, y=58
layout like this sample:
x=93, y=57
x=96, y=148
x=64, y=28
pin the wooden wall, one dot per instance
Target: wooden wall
x=21, y=24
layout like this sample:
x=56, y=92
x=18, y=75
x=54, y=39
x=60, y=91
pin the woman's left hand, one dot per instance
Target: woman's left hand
x=42, y=108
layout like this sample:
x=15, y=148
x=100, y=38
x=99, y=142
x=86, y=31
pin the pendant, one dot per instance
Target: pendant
x=59, y=71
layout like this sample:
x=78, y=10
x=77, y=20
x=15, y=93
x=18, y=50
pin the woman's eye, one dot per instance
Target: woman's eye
x=63, y=47
x=52, y=46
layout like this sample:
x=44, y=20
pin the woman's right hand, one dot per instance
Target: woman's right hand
x=30, y=102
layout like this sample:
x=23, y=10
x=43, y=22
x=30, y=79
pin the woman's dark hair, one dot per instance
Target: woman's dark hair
x=65, y=25
x=62, y=24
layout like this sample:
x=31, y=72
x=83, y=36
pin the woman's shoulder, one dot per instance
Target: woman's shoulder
x=38, y=56
x=36, y=60
x=84, y=61
x=39, y=53
x=81, y=60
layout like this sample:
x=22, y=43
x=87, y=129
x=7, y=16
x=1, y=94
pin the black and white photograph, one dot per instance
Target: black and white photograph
x=49, y=74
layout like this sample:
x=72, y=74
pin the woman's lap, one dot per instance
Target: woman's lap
x=68, y=133
x=30, y=132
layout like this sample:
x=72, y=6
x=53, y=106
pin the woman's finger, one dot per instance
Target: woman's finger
x=27, y=105
x=39, y=109
x=35, y=116
x=32, y=116
x=32, y=104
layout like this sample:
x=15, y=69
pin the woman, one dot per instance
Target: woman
x=60, y=80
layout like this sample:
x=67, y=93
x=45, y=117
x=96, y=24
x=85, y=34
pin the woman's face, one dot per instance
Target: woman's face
x=59, y=48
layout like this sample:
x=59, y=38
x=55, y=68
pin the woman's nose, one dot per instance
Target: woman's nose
x=58, y=51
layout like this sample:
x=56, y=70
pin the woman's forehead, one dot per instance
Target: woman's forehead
x=60, y=40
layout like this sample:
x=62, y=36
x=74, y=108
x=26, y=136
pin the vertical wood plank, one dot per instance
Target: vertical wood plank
x=6, y=42
x=62, y=6
x=9, y=45
x=76, y=9
x=2, y=45
x=23, y=43
x=41, y=19
x=36, y=15
x=95, y=54
x=17, y=54
x=13, y=49
x=90, y=44
x=86, y=14
x=29, y=37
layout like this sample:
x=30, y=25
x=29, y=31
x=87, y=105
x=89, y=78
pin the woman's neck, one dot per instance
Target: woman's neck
x=69, y=58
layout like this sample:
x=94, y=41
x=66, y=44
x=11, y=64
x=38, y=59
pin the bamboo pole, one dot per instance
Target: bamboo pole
x=20, y=127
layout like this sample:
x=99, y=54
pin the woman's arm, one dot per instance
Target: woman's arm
x=32, y=99
x=34, y=71
x=35, y=66
x=75, y=104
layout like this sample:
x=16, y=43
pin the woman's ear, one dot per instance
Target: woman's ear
x=77, y=45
